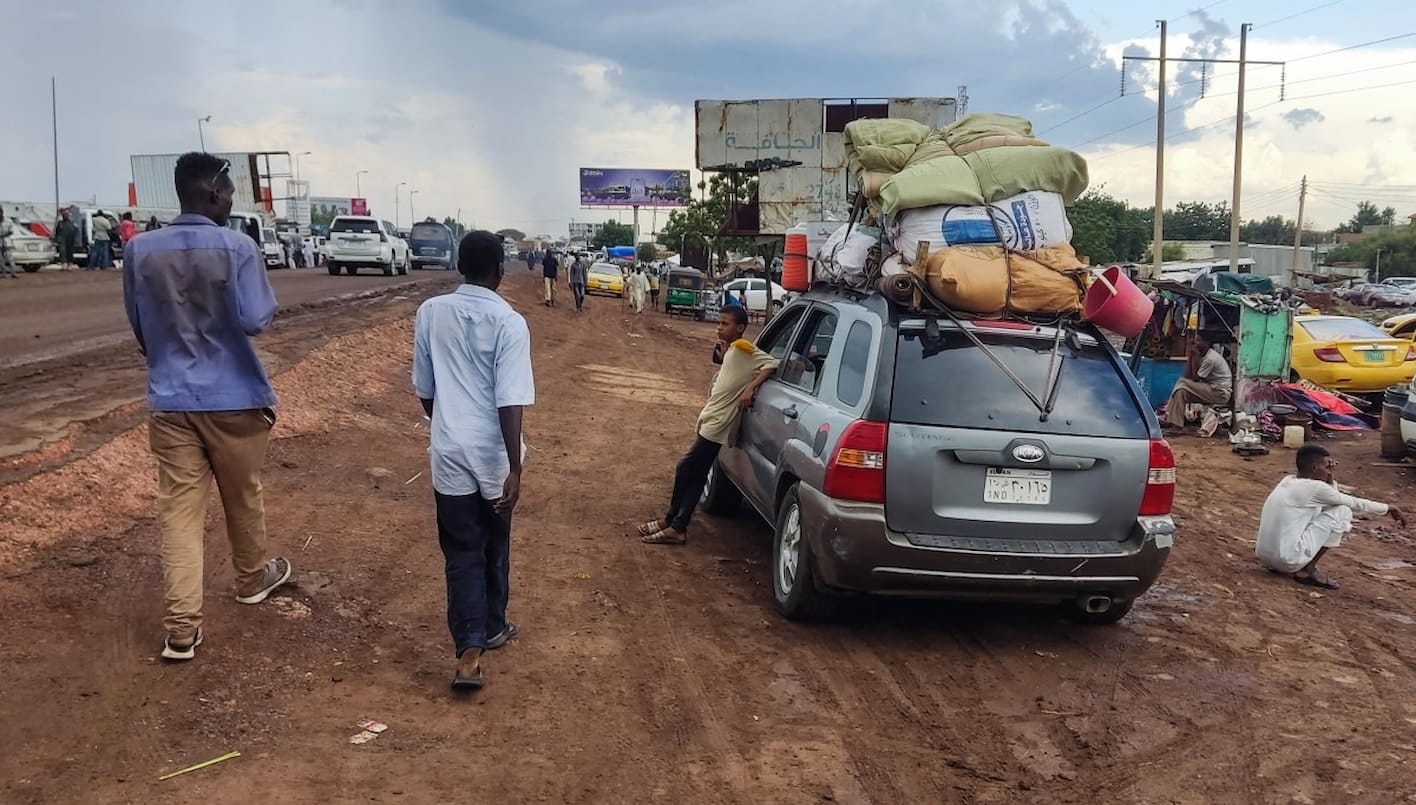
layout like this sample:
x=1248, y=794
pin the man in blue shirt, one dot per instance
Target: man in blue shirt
x=472, y=372
x=195, y=293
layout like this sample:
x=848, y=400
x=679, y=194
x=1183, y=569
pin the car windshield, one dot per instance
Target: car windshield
x=432, y=233
x=1092, y=397
x=367, y=226
x=268, y=235
x=1341, y=328
x=604, y=268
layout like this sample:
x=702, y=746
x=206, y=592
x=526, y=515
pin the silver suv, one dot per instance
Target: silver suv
x=893, y=454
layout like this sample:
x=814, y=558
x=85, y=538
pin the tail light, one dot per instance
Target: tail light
x=1411, y=353
x=1329, y=355
x=1159, y=497
x=857, y=467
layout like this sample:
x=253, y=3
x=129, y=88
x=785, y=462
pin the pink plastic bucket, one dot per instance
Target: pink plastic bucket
x=1115, y=303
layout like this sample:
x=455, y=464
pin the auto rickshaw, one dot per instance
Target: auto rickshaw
x=685, y=293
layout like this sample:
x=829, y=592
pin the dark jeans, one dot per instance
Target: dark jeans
x=476, y=544
x=654, y=298
x=101, y=254
x=579, y=291
x=689, y=479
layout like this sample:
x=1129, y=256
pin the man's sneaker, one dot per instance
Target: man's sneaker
x=277, y=572
x=174, y=649
x=499, y=639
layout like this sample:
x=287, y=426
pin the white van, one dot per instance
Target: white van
x=270, y=247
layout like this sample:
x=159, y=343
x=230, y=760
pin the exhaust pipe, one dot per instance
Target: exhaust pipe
x=1096, y=604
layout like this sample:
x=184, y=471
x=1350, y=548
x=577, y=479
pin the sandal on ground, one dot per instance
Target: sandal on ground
x=664, y=537
x=500, y=639
x=650, y=528
x=468, y=679
x=1315, y=579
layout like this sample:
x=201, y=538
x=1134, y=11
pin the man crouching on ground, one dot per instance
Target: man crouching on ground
x=472, y=372
x=1307, y=514
x=744, y=369
x=195, y=293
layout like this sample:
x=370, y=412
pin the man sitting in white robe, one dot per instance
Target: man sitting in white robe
x=1307, y=514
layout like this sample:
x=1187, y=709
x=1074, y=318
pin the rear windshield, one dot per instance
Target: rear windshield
x=436, y=233
x=952, y=383
x=366, y=226
x=1341, y=329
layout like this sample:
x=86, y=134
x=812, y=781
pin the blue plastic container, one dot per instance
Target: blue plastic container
x=1158, y=377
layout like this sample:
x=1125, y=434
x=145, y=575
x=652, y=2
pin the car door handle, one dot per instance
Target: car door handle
x=791, y=412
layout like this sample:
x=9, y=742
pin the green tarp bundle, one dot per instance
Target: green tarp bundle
x=986, y=176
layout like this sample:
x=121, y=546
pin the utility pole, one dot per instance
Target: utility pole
x=54, y=120
x=1158, y=236
x=1234, y=219
x=201, y=137
x=1298, y=235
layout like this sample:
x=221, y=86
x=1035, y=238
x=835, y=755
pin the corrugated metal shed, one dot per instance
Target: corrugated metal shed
x=152, y=180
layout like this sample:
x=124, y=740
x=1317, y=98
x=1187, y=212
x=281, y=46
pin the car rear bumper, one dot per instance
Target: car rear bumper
x=855, y=551
x=1356, y=379
x=431, y=260
x=359, y=260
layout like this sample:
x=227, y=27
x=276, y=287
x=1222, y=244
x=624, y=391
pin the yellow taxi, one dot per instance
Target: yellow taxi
x=604, y=278
x=1403, y=326
x=1347, y=354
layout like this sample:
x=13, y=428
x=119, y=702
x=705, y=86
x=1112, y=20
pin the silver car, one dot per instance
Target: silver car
x=893, y=454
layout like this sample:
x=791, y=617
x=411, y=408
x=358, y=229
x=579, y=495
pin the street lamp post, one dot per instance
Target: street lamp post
x=297, y=163
x=412, y=216
x=358, y=190
x=201, y=137
x=395, y=203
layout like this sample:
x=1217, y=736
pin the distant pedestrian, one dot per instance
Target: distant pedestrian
x=127, y=228
x=101, y=242
x=195, y=293
x=743, y=370
x=152, y=225
x=654, y=286
x=66, y=239
x=7, y=254
x=550, y=268
x=638, y=287
x=307, y=246
x=579, y=276
x=472, y=373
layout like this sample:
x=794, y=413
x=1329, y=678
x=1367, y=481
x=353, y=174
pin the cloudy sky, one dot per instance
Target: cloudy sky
x=489, y=107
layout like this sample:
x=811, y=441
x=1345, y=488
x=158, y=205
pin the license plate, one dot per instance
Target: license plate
x=428, y=251
x=1376, y=356
x=1022, y=487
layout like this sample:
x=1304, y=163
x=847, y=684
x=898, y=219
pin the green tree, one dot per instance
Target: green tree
x=1108, y=230
x=514, y=234
x=1369, y=215
x=704, y=219
x=1274, y=230
x=1171, y=251
x=646, y=252
x=1398, y=253
x=613, y=233
x=1197, y=220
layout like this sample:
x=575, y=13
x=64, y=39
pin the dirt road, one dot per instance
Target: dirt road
x=659, y=674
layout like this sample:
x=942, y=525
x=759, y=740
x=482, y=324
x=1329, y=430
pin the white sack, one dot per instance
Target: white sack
x=842, y=258
x=1022, y=223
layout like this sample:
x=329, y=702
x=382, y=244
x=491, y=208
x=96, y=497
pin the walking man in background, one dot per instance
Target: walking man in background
x=1306, y=515
x=7, y=237
x=472, y=373
x=101, y=242
x=579, y=276
x=549, y=270
x=66, y=239
x=744, y=368
x=195, y=293
x=308, y=246
x=654, y=286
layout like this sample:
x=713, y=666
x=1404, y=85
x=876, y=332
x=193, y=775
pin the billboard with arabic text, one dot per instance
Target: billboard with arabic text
x=634, y=187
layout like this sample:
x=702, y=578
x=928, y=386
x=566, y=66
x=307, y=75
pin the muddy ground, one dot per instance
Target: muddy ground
x=647, y=674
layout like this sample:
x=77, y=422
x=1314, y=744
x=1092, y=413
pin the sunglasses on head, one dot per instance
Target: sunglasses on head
x=225, y=169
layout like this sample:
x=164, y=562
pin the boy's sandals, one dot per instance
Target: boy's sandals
x=651, y=527
x=664, y=537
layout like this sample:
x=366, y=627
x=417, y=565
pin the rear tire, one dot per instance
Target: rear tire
x=720, y=495
x=333, y=270
x=351, y=270
x=794, y=567
x=31, y=269
x=388, y=270
x=1076, y=614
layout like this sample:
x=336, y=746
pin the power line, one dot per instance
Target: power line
x=1108, y=102
x=1305, y=58
x=1299, y=14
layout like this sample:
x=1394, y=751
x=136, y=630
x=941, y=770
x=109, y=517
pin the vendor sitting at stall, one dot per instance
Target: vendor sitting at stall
x=1207, y=380
x=1306, y=514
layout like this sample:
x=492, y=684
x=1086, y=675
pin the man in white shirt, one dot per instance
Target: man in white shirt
x=472, y=372
x=1207, y=380
x=1307, y=514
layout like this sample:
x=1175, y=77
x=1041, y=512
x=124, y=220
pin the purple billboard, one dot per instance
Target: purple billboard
x=634, y=187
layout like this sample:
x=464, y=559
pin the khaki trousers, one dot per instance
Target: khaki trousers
x=550, y=290
x=1189, y=391
x=191, y=449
